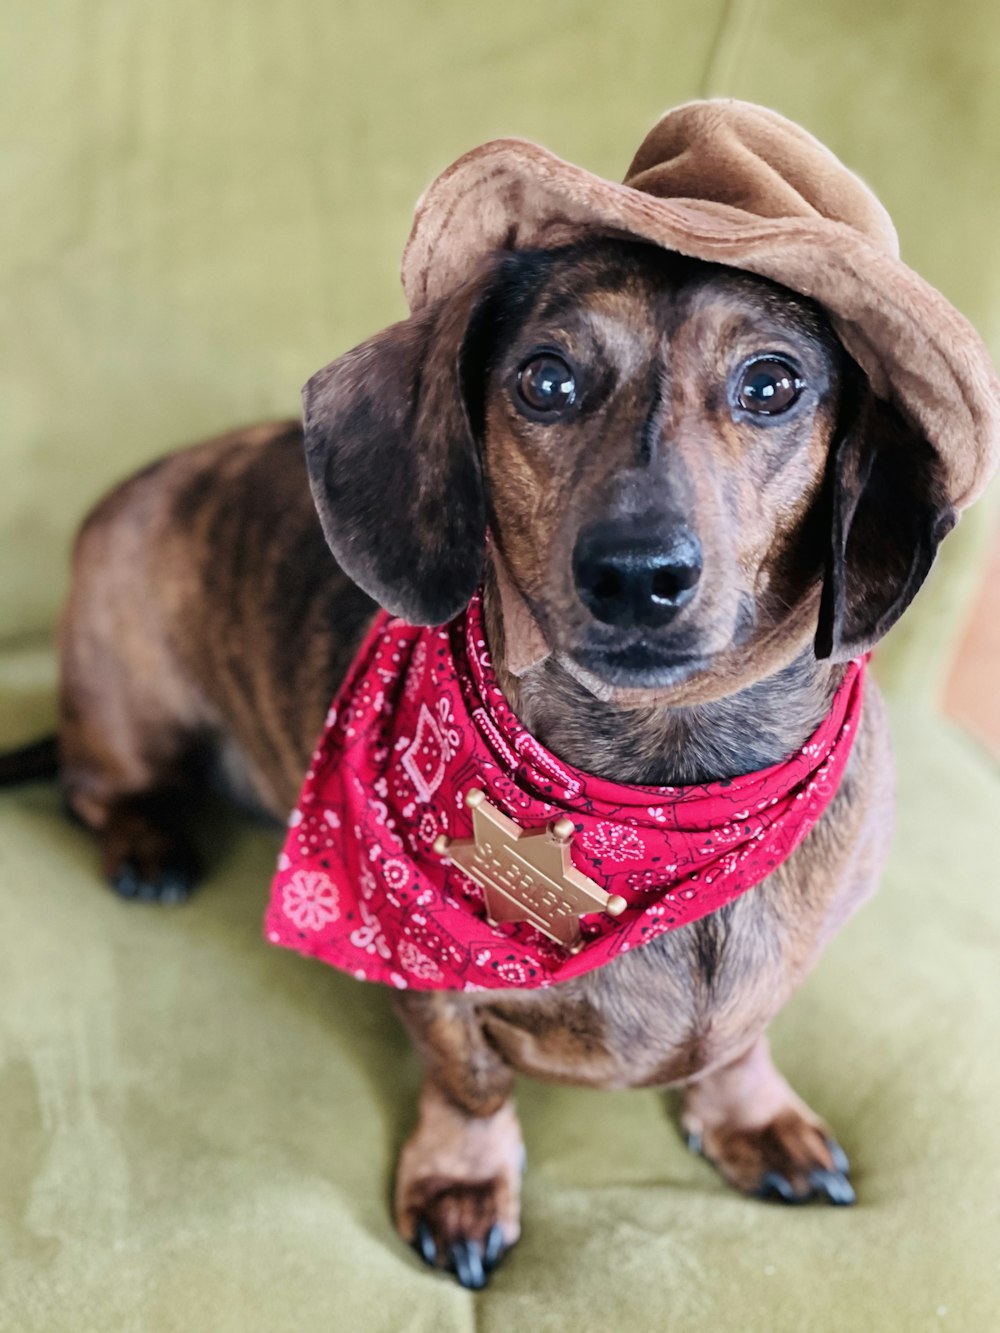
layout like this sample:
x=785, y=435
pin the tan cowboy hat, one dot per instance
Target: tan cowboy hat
x=736, y=184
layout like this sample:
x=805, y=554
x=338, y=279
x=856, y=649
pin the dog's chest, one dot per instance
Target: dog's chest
x=690, y=1000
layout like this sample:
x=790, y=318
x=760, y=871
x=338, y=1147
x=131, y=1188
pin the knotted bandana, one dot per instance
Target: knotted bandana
x=419, y=722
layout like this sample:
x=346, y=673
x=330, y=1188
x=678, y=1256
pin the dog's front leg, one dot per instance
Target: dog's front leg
x=458, y=1183
x=763, y=1138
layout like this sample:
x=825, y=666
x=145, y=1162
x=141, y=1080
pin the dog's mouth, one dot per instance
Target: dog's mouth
x=640, y=665
x=643, y=659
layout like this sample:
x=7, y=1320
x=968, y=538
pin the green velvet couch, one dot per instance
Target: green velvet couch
x=204, y=201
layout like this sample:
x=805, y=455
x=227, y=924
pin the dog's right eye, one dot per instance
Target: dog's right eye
x=546, y=384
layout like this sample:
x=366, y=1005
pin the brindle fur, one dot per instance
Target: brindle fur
x=208, y=617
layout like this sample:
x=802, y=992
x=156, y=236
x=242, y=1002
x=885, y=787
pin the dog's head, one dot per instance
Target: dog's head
x=681, y=468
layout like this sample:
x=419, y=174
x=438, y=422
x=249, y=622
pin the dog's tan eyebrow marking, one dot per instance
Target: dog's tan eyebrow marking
x=749, y=325
x=761, y=310
x=616, y=341
x=560, y=301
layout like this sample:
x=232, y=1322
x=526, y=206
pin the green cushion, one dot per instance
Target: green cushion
x=204, y=202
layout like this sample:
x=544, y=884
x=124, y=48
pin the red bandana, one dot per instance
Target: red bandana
x=418, y=722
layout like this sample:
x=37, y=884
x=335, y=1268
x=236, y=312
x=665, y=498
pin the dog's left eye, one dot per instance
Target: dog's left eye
x=545, y=383
x=767, y=387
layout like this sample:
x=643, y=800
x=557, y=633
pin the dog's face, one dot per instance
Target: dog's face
x=655, y=439
x=678, y=463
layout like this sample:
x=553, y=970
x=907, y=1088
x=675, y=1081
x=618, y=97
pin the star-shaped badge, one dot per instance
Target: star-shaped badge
x=527, y=876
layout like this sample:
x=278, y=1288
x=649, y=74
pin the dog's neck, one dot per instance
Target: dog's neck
x=663, y=745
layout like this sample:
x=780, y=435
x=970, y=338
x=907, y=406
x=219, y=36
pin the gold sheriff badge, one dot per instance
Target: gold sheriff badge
x=527, y=876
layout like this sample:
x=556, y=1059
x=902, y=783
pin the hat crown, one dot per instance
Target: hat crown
x=748, y=157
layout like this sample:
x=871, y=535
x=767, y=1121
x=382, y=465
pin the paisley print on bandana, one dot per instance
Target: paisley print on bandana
x=419, y=720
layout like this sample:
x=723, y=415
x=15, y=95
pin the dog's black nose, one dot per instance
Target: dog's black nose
x=631, y=581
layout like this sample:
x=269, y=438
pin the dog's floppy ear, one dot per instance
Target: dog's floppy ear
x=393, y=464
x=888, y=512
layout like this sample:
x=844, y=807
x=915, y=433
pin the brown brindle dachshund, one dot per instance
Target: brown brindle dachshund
x=692, y=417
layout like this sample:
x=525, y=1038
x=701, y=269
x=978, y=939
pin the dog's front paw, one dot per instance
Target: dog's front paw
x=791, y=1159
x=458, y=1189
x=146, y=853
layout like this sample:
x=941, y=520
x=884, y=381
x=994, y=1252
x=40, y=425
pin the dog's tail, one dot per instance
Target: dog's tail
x=31, y=763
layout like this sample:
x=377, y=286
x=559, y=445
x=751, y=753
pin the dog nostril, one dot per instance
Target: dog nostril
x=607, y=584
x=668, y=583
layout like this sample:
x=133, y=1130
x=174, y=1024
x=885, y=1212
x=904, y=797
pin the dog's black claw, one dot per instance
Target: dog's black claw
x=840, y=1160
x=125, y=881
x=467, y=1261
x=834, y=1185
x=175, y=887
x=494, y=1247
x=423, y=1243
x=694, y=1144
x=774, y=1186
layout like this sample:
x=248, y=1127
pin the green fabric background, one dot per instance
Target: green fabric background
x=202, y=203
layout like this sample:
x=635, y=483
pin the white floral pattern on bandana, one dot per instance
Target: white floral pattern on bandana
x=310, y=900
x=616, y=840
x=418, y=962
